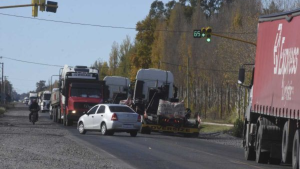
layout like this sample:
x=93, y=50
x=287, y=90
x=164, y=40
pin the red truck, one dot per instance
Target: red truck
x=271, y=130
x=79, y=90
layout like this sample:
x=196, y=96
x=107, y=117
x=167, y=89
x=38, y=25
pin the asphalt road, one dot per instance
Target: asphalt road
x=159, y=151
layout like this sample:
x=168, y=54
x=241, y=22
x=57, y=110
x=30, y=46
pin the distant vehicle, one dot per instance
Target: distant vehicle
x=154, y=98
x=79, y=90
x=44, y=100
x=32, y=96
x=25, y=101
x=117, y=88
x=110, y=118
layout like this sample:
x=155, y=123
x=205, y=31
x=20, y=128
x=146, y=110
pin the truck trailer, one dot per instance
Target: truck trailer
x=271, y=124
x=79, y=90
x=153, y=98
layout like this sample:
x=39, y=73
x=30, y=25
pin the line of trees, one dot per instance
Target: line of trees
x=164, y=40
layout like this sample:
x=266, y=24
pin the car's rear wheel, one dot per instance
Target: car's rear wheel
x=104, y=129
x=81, y=128
x=133, y=133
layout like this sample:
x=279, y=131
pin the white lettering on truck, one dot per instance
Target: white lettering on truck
x=285, y=63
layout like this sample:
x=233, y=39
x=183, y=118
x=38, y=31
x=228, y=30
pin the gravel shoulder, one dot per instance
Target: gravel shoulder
x=46, y=145
x=222, y=138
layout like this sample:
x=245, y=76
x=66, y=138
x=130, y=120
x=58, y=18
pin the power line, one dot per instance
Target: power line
x=109, y=26
x=44, y=64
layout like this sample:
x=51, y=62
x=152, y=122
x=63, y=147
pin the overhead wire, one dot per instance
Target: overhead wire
x=109, y=26
x=44, y=64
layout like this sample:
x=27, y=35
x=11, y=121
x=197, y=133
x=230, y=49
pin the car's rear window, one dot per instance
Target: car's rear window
x=121, y=109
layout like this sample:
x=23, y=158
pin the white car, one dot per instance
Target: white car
x=110, y=118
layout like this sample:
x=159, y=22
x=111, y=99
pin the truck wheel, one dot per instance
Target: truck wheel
x=261, y=157
x=81, y=128
x=295, y=152
x=104, y=129
x=65, y=120
x=249, y=152
x=287, y=142
x=68, y=122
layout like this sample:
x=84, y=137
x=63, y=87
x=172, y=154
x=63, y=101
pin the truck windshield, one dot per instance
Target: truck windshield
x=80, y=92
x=47, y=96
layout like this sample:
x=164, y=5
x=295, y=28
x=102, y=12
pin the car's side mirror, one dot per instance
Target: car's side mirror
x=241, y=76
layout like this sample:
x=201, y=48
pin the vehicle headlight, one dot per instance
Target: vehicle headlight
x=74, y=111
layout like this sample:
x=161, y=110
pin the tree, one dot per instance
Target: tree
x=157, y=9
x=104, y=71
x=40, y=86
x=126, y=48
x=114, y=58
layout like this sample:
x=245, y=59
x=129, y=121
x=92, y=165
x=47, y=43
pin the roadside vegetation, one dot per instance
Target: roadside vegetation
x=165, y=41
x=207, y=128
x=2, y=110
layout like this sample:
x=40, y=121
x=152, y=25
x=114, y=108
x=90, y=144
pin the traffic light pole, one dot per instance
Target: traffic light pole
x=227, y=37
x=26, y=5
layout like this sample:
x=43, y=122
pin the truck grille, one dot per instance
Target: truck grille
x=84, y=105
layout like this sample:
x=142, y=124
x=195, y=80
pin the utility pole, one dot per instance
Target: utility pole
x=51, y=83
x=2, y=83
x=4, y=89
x=187, y=82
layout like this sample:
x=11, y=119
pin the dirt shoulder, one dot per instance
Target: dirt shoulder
x=46, y=145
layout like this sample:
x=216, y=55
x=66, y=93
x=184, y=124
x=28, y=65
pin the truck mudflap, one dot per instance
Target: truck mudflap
x=180, y=130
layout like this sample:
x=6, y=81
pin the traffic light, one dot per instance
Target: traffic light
x=51, y=6
x=42, y=7
x=203, y=32
x=34, y=7
x=208, y=34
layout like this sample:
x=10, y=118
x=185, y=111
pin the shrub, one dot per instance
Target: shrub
x=2, y=110
x=238, y=128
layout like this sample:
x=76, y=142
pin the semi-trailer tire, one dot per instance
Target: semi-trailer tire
x=287, y=142
x=65, y=120
x=68, y=121
x=261, y=157
x=249, y=152
x=295, y=152
x=54, y=115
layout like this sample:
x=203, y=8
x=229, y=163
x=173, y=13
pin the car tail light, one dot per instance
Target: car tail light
x=139, y=118
x=114, y=117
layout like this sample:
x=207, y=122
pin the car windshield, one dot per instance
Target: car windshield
x=79, y=92
x=121, y=109
x=47, y=96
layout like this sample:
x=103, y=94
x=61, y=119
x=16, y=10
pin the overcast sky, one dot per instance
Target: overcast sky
x=59, y=44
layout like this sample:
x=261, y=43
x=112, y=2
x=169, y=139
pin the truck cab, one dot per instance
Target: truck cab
x=117, y=88
x=152, y=85
x=79, y=90
x=44, y=100
x=32, y=96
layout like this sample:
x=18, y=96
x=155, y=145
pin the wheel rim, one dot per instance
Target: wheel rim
x=81, y=128
x=103, y=129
